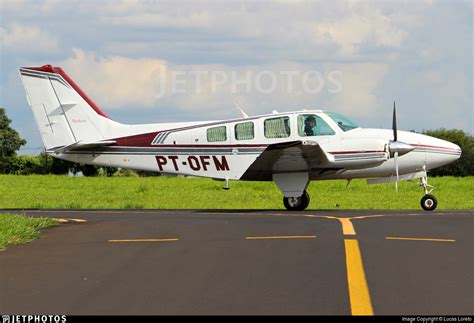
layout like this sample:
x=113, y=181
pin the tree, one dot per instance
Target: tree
x=109, y=170
x=90, y=170
x=51, y=165
x=10, y=141
x=463, y=166
x=24, y=165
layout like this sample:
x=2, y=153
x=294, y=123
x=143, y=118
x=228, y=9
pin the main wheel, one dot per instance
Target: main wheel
x=296, y=203
x=429, y=202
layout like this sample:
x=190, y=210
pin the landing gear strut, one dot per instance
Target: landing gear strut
x=296, y=203
x=428, y=202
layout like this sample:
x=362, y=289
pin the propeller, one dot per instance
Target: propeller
x=394, y=123
x=397, y=148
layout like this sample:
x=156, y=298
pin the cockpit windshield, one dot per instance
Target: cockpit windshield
x=343, y=122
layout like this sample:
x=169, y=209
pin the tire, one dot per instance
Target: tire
x=296, y=203
x=429, y=202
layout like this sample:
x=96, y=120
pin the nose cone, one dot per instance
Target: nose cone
x=400, y=147
x=439, y=152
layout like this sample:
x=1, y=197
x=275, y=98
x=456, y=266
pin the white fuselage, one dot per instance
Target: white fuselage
x=187, y=149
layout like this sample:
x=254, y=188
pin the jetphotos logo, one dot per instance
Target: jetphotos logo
x=171, y=81
x=33, y=318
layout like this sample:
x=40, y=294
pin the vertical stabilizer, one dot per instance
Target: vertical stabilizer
x=64, y=114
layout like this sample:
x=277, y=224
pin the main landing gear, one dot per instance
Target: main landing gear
x=428, y=202
x=293, y=186
x=296, y=203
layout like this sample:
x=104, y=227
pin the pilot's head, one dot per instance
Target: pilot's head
x=310, y=121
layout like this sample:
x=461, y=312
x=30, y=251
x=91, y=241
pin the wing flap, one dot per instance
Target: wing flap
x=289, y=157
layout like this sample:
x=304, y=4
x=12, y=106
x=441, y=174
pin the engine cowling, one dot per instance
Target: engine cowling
x=360, y=153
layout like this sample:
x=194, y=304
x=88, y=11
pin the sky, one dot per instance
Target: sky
x=162, y=61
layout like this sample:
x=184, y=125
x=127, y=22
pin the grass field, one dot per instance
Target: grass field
x=15, y=229
x=37, y=191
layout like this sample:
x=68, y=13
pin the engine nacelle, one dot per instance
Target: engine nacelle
x=360, y=153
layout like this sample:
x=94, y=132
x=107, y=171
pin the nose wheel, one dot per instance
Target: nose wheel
x=296, y=203
x=428, y=202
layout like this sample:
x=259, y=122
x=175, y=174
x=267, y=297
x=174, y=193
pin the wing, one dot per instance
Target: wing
x=290, y=157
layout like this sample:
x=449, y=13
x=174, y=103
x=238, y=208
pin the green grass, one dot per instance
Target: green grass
x=15, y=229
x=37, y=191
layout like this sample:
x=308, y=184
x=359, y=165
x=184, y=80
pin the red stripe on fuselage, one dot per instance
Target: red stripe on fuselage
x=207, y=145
x=142, y=140
x=436, y=147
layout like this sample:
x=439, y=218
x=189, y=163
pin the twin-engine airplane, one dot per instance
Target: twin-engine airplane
x=288, y=148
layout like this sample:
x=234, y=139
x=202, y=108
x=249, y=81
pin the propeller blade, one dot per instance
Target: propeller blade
x=396, y=170
x=394, y=123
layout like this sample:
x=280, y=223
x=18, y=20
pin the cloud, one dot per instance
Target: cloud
x=116, y=82
x=21, y=38
x=210, y=90
x=383, y=51
x=359, y=94
x=193, y=20
x=359, y=28
x=262, y=30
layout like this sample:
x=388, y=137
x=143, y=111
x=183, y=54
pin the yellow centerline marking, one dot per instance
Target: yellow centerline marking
x=347, y=227
x=358, y=290
x=421, y=239
x=145, y=240
x=60, y=220
x=280, y=237
x=371, y=216
x=67, y=220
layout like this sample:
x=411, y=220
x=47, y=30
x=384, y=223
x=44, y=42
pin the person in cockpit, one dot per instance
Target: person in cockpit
x=309, y=124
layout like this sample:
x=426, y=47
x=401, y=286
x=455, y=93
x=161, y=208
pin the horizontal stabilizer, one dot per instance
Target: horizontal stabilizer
x=79, y=145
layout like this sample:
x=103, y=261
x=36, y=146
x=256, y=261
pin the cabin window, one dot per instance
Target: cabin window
x=277, y=127
x=217, y=134
x=244, y=131
x=313, y=125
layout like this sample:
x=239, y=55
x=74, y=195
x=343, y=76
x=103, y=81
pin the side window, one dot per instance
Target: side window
x=217, y=134
x=277, y=127
x=313, y=125
x=244, y=131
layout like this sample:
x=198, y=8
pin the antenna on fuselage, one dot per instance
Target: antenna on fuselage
x=245, y=115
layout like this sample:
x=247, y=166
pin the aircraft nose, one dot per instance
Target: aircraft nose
x=453, y=150
x=439, y=152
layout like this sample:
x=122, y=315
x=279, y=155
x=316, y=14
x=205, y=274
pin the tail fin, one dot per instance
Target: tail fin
x=64, y=114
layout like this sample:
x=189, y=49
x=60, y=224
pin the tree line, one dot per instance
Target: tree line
x=11, y=163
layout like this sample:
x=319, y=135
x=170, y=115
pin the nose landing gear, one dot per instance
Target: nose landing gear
x=428, y=202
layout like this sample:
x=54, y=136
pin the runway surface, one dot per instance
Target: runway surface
x=243, y=262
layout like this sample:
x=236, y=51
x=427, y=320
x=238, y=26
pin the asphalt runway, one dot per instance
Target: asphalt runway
x=243, y=262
